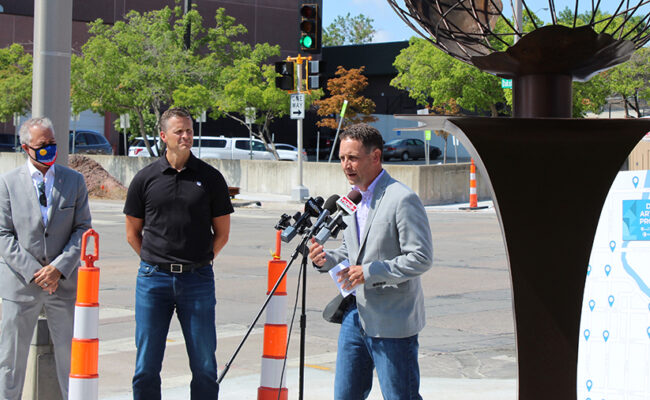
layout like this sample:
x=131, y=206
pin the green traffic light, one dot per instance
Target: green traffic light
x=306, y=42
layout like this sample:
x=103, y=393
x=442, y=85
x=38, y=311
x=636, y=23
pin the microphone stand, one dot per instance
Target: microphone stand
x=303, y=318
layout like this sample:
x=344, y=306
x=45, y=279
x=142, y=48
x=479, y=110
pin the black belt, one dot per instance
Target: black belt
x=179, y=268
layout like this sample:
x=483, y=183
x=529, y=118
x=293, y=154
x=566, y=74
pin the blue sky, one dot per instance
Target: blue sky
x=391, y=28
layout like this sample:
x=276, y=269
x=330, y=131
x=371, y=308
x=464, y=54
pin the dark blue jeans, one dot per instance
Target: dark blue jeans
x=191, y=294
x=396, y=361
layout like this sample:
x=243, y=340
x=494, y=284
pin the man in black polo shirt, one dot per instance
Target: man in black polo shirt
x=177, y=220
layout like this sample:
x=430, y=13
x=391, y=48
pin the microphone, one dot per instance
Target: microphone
x=347, y=205
x=328, y=209
x=312, y=209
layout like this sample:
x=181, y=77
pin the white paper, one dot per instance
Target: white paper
x=344, y=264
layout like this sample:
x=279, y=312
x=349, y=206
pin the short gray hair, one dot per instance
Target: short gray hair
x=25, y=134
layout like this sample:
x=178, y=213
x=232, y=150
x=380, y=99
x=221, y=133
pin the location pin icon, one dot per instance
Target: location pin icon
x=605, y=335
x=592, y=304
x=589, y=385
x=588, y=333
x=635, y=181
x=612, y=245
x=608, y=269
x=588, y=270
x=610, y=299
x=648, y=330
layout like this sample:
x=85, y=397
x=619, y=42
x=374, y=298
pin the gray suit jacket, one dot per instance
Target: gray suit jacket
x=26, y=244
x=395, y=249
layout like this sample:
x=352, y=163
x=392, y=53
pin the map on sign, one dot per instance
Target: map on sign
x=614, y=354
x=297, y=110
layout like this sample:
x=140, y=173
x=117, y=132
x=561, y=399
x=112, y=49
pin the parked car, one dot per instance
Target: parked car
x=138, y=148
x=230, y=148
x=288, y=152
x=89, y=142
x=407, y=149
x=7, y=142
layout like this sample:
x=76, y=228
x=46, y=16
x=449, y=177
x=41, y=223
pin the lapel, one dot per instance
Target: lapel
x=352, y=239
x=57, y=190
x=33, y=206
x=377, y=196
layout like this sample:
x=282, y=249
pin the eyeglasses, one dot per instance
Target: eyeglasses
x=41, y=194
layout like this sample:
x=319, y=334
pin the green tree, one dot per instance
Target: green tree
x=15, y=81
x=631, y=81
x=349, y=30
x=432, y=78
x=135, y=65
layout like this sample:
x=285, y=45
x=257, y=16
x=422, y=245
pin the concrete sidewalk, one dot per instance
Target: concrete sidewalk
x=319, y=385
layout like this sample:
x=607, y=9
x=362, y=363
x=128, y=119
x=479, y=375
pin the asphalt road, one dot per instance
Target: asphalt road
x=469, y=332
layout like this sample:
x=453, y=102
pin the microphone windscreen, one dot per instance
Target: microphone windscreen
x=330, y=204
x=319, y=200
x=355, y=196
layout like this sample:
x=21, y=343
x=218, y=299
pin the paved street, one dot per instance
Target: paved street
x=467, y=348
x=468, y=344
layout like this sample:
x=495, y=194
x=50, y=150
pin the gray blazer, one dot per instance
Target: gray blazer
x=26, y=244
x=395, y=249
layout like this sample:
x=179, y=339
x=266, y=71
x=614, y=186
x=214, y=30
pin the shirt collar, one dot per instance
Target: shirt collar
x=192, y=163
x=35, y=173
x=367, y=195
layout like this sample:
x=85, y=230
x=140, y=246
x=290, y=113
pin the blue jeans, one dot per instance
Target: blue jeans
x=157, y=294
x=396, y=361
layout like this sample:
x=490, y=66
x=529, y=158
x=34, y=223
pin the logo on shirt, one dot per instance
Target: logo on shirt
x=198, y=183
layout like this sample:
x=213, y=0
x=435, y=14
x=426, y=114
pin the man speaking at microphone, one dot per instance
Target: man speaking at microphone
x=388, y=245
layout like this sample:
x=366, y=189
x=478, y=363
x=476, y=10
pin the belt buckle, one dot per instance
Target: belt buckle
x=176, y=268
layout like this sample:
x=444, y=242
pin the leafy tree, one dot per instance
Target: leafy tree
x=15, y=81
x=349, y=30
x=631, y=81
x=347, y=85
x=135, y=65
x=432, y=78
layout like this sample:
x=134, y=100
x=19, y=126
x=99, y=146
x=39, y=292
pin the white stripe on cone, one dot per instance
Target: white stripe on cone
x=276, y=312
x=86, y=389
x=271, y=372
x=86, y=322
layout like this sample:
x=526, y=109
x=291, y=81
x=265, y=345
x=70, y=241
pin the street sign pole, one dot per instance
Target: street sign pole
x=299, y=192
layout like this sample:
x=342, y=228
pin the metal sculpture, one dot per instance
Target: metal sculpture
x=549, y=174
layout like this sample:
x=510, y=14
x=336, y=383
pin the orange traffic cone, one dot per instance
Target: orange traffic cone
x=272, y=381
x=473, y=196
x=84, y=379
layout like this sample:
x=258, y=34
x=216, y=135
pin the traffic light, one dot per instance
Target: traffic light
x=285, y=80
x=310, y=28
x=315, y=70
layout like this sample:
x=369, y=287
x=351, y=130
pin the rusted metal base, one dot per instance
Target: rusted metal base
x=549, y=179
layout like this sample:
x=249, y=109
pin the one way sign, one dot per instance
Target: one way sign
x=297, y=106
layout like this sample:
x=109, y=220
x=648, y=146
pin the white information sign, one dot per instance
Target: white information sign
x=297, y=106
x=614, y=347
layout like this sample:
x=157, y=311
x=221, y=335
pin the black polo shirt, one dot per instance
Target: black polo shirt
x=177, y=208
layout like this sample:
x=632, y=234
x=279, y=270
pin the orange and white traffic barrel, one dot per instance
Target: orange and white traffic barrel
x=272, y=380
x=84, y=379
x=473, y=195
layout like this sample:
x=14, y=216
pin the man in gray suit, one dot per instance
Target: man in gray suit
x=388, y=245
x=43, y=214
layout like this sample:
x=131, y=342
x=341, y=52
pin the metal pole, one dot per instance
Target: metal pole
x=518, y=14
x=317, y=145
x=126, y=149
x=299, y=192
x=51, y=76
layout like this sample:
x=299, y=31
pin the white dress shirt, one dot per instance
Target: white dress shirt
x=48, y=179
x=363, y=208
